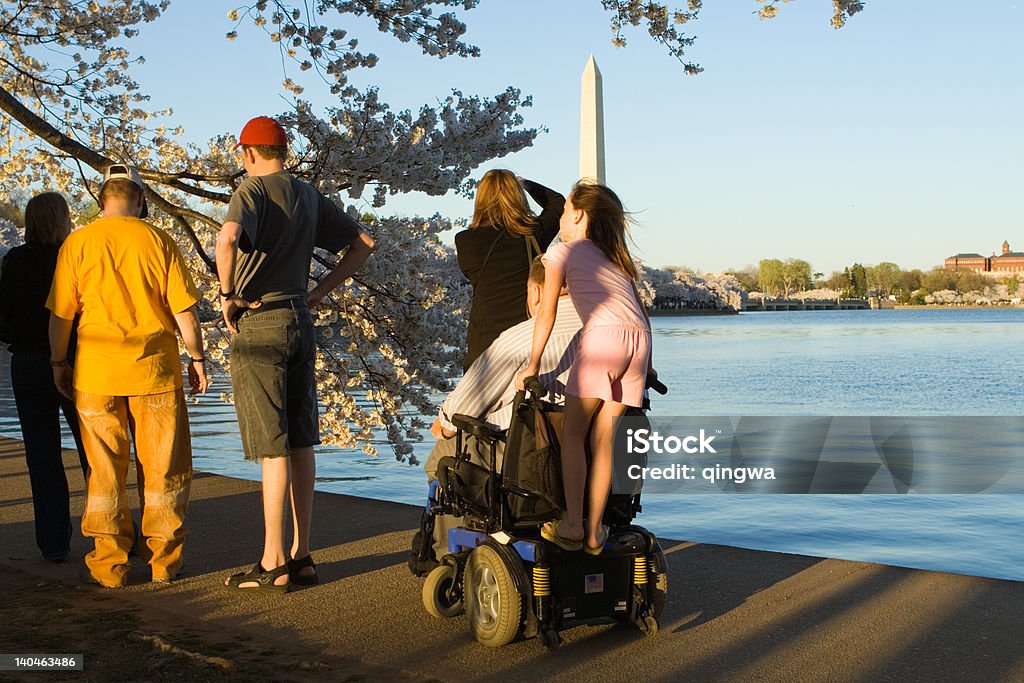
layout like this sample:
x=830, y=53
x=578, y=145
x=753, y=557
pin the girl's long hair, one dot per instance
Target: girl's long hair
x=501, y=203
x=608, y=223
x=46, y=220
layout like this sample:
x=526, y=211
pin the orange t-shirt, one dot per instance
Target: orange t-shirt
x=127, y=279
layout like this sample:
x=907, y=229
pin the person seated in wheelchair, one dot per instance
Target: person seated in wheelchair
x=487, y=391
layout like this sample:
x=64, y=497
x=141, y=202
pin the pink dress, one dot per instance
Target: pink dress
x=615, y=345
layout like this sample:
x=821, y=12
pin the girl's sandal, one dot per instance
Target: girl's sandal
x=602, y=538
x=550, y=533
x=264, y=579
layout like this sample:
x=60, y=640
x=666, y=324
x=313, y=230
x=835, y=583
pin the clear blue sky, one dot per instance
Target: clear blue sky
x=898, y=138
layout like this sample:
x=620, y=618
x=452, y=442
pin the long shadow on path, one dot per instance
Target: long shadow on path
x=732, y=614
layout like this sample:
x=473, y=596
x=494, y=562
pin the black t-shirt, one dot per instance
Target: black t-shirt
x=282, y=219
x=499, y=279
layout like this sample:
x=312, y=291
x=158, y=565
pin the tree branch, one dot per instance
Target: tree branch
x=100, y=163
x=42, y=128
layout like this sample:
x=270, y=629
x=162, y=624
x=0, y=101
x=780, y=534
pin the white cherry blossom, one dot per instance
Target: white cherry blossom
x=69, y=106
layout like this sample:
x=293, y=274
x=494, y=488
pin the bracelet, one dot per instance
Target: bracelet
x=228, y=295
x=201, y=359
x=59, y=363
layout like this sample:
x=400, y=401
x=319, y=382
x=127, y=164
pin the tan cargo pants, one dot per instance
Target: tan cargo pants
x=163, y=452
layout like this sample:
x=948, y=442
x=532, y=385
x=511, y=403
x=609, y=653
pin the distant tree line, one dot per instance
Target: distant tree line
x=793, y=278
x=910, y=286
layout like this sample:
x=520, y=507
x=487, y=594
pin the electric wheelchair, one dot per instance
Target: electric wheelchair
x=508, y=580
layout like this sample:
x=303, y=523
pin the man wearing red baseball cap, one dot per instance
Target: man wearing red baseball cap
x=263, y=130
x=264, y=251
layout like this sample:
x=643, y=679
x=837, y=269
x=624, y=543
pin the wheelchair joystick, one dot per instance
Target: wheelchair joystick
x=534, y=386
x=657, y=385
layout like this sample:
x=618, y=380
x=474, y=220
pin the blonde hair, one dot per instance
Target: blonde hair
x=607, y=223
x=46, y=220
x=501, y=203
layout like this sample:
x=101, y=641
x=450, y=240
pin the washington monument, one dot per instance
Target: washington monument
x=592, y=123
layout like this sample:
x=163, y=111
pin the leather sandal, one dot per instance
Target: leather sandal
x=263, y=578
x=295, y=568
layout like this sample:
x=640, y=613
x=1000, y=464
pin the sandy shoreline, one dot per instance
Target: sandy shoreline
x=732, y=614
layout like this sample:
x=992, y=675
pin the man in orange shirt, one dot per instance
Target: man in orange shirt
x=128, y=283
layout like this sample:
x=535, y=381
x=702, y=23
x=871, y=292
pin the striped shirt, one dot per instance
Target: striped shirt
x=487, y=389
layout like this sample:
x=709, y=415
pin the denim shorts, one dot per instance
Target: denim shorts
x=273, y=359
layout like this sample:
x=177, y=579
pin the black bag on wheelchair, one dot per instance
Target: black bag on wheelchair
x=469, y=482
x=532, y=472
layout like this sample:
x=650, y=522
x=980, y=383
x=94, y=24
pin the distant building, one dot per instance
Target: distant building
x=1006, y=263
x=968, y=262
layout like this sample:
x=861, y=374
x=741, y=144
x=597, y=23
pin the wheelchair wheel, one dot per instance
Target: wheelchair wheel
x=436, y=599
x=493, y=604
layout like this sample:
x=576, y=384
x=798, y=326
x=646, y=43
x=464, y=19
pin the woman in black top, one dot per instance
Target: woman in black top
x=495, y=253
x=24, y=287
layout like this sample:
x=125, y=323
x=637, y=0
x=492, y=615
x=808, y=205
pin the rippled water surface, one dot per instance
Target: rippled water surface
x=915, y=362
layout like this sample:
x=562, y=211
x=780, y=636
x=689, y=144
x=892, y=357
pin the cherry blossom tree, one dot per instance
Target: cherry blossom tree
x=69, y=107
x=678, y=289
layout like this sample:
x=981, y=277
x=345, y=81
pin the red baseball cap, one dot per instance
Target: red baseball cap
x=263, y=130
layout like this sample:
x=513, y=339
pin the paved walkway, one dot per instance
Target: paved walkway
x=731, y=615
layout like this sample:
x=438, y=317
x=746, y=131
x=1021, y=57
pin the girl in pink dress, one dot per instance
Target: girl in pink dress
x=614, y=357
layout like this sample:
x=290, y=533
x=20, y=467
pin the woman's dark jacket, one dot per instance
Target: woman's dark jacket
x=24, y=286
x=498, y=266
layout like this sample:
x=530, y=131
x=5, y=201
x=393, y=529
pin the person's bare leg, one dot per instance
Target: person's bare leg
x=276, y=476
x=600, y=479
x=303, y=479
x=575, y=425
